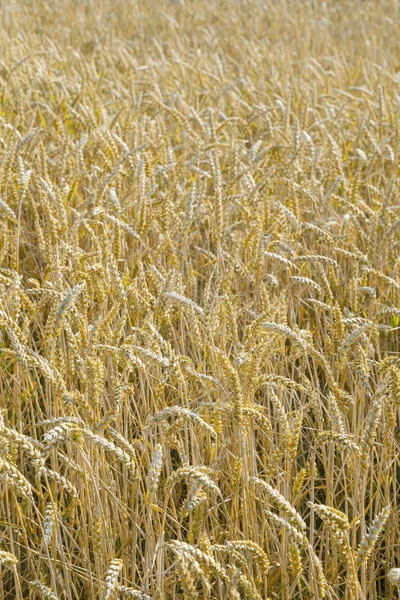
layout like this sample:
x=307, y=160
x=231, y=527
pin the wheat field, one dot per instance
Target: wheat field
x=199, y=299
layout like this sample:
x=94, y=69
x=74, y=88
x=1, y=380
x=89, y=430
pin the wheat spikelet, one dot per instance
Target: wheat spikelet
x=110, y=448
x=43, y=590
x=180, y=412
x=7, y=210
x=49, y=523
x=354, y=336
x=317, y=258
x=295, y=563
x=233, y=378
x=113, y=572
x=370, y=539
x=294, y=436
x=185, y=301
x=283, y=419
x=127, y=592
x=280, y=381
x=280, y=259
x=305, y=281
x=248, y=588
x=370, y=427
x=342, y=438
x=58, y=434
x=205, y=560
x=320, y=577
x=158, y=358
x=123, y=226
x=394, y=576
x=186, y=578
x=46, y=473
x=128, y=446
x=15, y=479
x=27, y=444
x=153, y=476
x=287, y=525
x=190, y=558
x=284, y=505
x=257, y=414
x=334, y=518
x=7, y=558
x=318, y=303
x=253, y=548
x=285, y=331
x=67, y=302
x=298, y=482
x=198, y=474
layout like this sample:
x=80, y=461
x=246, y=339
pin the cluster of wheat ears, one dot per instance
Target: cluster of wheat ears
x=200, y=299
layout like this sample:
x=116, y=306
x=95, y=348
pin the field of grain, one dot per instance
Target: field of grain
x=199, y=299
